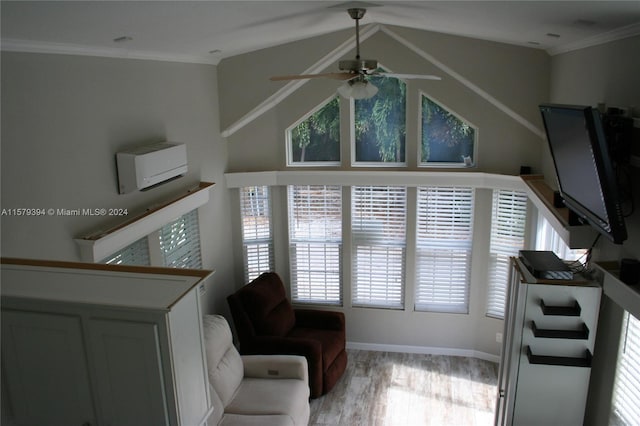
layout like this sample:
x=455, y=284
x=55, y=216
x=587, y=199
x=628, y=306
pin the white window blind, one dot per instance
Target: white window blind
x=548, y=239
x=257, y=236
x=443, y=249
x=626, y=392
x=180, y=242
x=136, y=253
x=378, y=226
x=315, y=243
x=508, y=220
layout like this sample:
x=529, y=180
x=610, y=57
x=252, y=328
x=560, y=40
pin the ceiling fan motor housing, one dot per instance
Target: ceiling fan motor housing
x=358, y=65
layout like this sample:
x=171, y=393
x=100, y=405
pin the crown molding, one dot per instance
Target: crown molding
x=617, y=34
x=28, y=46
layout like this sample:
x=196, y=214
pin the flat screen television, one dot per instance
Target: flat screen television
x=586, y=176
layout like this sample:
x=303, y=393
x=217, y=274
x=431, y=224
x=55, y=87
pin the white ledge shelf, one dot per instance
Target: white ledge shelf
x=97, y=246
x=576, y=237
x=625, y=295
x=347, y=178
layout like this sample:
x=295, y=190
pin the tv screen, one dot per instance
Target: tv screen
x=586, y=177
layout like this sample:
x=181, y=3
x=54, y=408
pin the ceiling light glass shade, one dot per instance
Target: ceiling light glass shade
x=357, y=89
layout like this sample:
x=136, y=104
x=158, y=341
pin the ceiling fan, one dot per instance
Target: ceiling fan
x=355, y=71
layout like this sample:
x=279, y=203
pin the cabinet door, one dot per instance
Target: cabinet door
x=128, y=372
x=44, y=364
x=190, y=366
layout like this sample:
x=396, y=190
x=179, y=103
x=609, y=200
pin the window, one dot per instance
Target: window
x=626, y=391
x=443, y=249
x=548, y=239
x=316, y=139
x=378, y=226
x=446, y=139
x=508, y=219
x=380, y=124
x=136, y=253
x=257, y=238
x=315, y=243
x=180, y=242
x=175, y=245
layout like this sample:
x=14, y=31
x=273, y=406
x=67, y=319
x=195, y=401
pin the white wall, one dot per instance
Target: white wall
x=494, y=86
x=605, y=73
x=63, y=120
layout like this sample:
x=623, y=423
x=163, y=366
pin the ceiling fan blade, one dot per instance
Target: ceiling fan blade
x=332, y=75
x=407, y=76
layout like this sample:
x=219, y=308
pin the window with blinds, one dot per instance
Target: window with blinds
x=315, y=243
x=548, y=239
x=508, y=220
x=180, y=242
x=626, y=392
x=257, y=236
x=378, y=226
x=443, y=249
x=136, y=253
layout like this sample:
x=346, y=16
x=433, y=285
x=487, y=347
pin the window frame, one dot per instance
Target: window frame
x=430, y=242
x=499, y=257
x=256, y=268
x=445, y=165
x=352, y=134
x=334, y=247
x=378, y=241
x=289, y=139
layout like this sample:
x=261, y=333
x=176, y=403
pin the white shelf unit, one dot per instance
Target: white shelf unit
x=549, y=338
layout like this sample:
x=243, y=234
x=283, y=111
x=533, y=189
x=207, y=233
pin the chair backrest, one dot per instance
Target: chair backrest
x=224, y=363
x=262, y=308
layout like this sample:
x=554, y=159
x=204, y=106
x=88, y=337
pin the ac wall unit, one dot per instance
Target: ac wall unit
x=146, y=166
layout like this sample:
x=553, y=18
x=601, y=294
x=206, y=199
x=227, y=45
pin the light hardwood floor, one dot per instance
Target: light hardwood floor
x=387, y=388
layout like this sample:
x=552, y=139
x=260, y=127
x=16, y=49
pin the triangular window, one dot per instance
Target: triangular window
x=447, y=140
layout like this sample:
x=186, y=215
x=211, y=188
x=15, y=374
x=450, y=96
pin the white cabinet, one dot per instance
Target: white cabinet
x=549, y=336
x=98, y=345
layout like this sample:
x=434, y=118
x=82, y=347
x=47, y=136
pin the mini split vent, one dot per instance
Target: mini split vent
x=147, y=166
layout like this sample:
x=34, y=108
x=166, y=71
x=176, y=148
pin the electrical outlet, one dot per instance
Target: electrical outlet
x=499, y=337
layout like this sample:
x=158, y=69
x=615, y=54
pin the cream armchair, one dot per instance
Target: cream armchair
x=266, y=390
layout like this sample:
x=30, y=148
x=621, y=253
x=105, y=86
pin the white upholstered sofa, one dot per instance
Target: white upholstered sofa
x=265, y=390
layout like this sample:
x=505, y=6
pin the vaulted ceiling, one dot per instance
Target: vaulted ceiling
x=208, y=31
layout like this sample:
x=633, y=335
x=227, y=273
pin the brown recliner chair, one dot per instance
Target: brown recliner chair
x=267, y=324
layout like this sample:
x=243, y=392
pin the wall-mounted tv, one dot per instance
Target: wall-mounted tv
x=586, y=176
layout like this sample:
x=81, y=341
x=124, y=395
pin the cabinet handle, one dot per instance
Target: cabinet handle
x=560, y=360
x=582, y=334
x=566, y=311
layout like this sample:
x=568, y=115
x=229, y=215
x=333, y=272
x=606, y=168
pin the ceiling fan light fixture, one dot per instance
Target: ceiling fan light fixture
x=358, y=89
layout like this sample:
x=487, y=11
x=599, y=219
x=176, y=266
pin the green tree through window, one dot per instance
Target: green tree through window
x=380, y=123
x=317, y=138
x=445, y=137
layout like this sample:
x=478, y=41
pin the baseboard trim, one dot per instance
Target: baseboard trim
x=427, y=350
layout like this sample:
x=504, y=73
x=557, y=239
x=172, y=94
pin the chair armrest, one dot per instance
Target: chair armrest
x=276, y=367
x=327, y=320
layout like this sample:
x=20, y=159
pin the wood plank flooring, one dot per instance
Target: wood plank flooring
x=387, y=388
